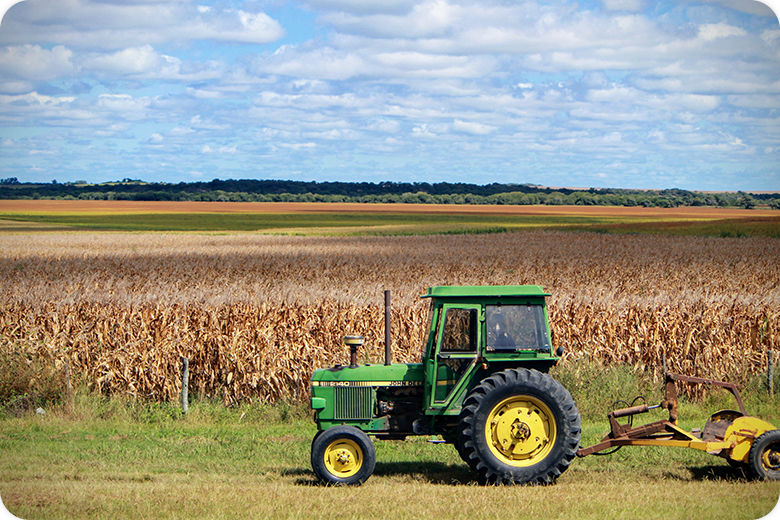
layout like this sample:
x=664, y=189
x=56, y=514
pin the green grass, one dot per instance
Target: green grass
x=369, y=223
x=742, y=227
x=118, y=458
x=389, y=223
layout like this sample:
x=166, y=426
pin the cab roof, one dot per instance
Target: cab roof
x=482, y=291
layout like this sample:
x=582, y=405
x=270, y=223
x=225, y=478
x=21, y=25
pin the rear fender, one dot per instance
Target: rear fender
x=741, y=434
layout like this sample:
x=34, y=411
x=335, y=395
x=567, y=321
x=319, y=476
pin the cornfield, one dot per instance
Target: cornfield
x=257, y=314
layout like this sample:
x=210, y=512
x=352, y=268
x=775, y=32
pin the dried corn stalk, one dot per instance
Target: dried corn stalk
x=257, y=314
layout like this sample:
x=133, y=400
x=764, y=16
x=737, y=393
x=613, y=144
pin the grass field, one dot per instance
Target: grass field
x=126, y=459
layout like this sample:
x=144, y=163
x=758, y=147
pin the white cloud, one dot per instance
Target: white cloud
x=298, y=146
x=329, y=63
x=623, y=5
x=759, y=101
x=760, y=7
x=135, y=60
x=616, y=95
x=426, y=19
x=472, y=127
x=100, y=25
x=16, y=87
x=388, y=126
x=323, y=63
x=363, y=6
x=770, y=36
x=204, y=93
x=35, y=63
x=146, y=63
x=712, y=31
x=198, y=123
x=692, y=102
x=124, y=105
x=33, y=98
x=180, y=131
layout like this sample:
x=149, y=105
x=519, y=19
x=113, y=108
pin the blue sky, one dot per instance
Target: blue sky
x=597, y=93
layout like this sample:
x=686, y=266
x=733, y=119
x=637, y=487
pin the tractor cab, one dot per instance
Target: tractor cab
x=475, y=331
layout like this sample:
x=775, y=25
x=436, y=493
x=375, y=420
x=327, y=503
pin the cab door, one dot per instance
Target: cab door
x=454, y=354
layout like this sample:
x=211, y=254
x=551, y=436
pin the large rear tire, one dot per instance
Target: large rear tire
x=519, y=426
x=343, y=455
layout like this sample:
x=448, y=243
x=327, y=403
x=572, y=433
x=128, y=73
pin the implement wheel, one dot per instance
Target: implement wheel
x=764, y=457
x=519, y=427
x=343, y=455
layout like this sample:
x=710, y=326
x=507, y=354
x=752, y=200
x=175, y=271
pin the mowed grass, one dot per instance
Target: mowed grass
x=119, y=459
x=116, y=457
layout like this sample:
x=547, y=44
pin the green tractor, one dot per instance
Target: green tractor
x=483, y=386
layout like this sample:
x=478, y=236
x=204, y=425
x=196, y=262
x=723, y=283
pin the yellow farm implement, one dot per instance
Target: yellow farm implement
x=734, y=435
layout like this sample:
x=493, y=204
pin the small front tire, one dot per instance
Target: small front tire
x=764, y=457
x=343, y=455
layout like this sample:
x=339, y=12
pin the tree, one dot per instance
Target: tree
x=745, y=201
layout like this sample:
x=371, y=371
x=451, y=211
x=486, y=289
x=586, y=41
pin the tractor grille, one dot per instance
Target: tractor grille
x=353, y=403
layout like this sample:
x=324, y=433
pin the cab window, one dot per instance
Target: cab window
x=459, y=330
x=516, y=327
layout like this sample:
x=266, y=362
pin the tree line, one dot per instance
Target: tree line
x=251, y=190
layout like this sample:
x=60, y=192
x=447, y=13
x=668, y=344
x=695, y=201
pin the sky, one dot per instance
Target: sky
x=593, y=93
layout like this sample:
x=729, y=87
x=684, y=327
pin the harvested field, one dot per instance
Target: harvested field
x=351, y=219
x=149, y=207
x=256, y=314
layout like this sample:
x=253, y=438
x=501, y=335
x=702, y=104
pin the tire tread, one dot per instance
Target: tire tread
x=487, y=467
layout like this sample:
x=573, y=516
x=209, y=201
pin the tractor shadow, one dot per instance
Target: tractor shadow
x=431, y=472
x=719, y=472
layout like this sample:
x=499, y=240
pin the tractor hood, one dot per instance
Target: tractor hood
x=410, y=374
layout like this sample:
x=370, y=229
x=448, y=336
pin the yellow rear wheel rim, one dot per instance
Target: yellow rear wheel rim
x=343, y=458
x=771, y=457
x=521, y=431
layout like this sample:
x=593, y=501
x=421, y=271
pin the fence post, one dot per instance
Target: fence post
x=68, y=387
x=185, y=382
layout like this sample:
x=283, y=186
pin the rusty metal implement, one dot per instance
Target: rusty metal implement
x=730, y=434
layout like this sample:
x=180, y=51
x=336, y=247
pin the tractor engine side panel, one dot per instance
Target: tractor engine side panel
x=374, y=398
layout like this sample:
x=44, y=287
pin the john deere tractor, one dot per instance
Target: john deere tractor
x=482, y=385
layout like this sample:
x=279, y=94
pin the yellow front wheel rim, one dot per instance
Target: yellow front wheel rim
x=343, y=458
x=521, y=431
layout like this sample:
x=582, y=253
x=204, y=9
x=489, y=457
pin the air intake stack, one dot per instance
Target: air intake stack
x=353, y=342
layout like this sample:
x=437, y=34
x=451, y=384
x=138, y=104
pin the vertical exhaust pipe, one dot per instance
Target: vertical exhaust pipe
x=388, y=354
